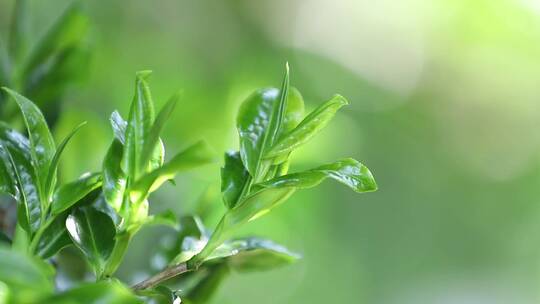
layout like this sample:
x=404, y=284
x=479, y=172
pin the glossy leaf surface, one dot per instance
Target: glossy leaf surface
x=114, y=178
x=94, y=233
x=347, y=171
x=309, y=127
x=54, y=238
x=139, y=124
x=152, y=141
x=69, y=194
x=233, y=178
x=41, y=141
x=16, y=149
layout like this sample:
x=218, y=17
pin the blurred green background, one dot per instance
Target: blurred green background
x=445, y=110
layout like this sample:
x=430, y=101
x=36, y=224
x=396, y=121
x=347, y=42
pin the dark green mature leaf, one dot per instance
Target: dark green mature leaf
x=153, y=136
x=8, y=180
x=94, y=233
x=347, y=171
x=309, y=127
x=27, y=278
x=69, y=194
x=54, y=238
x=16, y=148
x=111, y=292
x=65, y=33
x=41, y=141
x=194, y=156
x=233, y=178
x=141, y=118
x=259, y=122
x=18, y=35
x=114, y=178
x=51, y=177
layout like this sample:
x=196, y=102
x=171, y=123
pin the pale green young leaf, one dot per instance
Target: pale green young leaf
x=309, y=127
x=250, y=208
x=69, y=194
x=346, y=171
x=119, y=126
x=253, y=254
x=152, y=141
x=259, y=122
x=196, y=155
x=114, y=178
x=51, y=177
x=141, y=118
x=93, y=232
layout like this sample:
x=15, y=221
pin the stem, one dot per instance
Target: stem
x=119, y=250
x=166, y=274
x=39, y=233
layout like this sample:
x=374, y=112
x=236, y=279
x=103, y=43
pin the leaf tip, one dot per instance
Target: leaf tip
x=143, y=75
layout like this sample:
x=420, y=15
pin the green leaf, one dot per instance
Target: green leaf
x=114, y=178
x=23, y=275
x=54, y=238
x=94, y=233
x=119, y=126
x=141, y=118
x=152, y=141
x=18, y=35
x=110, y=292
x=309, y=127
x=65, y=33
x=194, y=156
x=254, y=254
x=167, y=218
x=347, y=171
x=69, y=194
x=234, y=178
x=41, y=141
x=207, y=286
x=51, y=177
x=15, y=148
x=252, y=207
x=8, y=180
x=259, y=121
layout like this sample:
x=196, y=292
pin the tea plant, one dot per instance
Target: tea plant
x=100, y=212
